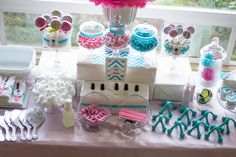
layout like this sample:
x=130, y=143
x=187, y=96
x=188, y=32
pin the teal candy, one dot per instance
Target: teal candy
x=143, y=40
x=225, y=122
x=184, y=50
x=186, y=113
x=144, y=32
x=168, y=48
x=197, y=126
x=205, y=115
x=179, y=124
x=208, y=59
x=160, y=120
x=219, y=131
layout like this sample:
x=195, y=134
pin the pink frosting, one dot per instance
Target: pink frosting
x=122, y=3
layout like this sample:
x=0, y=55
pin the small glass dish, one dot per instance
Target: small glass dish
x=134, y=114
x=93, y=111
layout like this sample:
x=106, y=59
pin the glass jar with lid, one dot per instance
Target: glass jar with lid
x=212, y=56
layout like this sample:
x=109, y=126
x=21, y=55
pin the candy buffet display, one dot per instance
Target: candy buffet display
x=55, y=30
x=177, y=41
x=144, y=38
x=90, y=35
x=26, y=122
x=212, y=56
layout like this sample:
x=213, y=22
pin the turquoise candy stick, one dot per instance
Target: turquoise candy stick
x=160, y=120
x=185, y=113
x=205, y=115
x=167, y=106
x=225, y=122
x=197, y=126
x=219, y=130
x=178, y=124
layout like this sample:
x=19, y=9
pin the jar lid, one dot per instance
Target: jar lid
x=91, y=29
x=213, y=51
x=145, y=30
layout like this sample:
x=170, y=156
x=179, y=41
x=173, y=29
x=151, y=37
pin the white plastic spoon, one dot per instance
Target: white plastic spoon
x=24, y=122
x=15, y=121
x=1, y=135
x=8, y=122
x=6, y=128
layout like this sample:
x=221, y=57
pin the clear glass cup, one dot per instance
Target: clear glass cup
x=56, y=40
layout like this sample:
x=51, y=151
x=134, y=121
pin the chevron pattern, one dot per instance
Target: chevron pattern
x=133, y=61
x=116, y=69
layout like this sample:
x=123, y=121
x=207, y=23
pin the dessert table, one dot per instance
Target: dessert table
x=56, y=140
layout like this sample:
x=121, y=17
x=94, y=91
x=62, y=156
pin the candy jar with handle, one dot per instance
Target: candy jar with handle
x=90, y=35
x=93, y=111
x=144, y=38
x=212, y=56
x=116, y=38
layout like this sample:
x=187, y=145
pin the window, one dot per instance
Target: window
x=211, y=4
x=20, y=30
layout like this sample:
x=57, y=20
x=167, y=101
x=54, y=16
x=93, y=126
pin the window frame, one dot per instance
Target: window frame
x=186, y=15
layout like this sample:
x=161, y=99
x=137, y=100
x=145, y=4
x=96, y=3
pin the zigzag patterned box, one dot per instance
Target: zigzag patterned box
x=141, y=68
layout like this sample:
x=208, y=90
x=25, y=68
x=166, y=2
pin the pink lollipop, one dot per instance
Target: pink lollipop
x=208, y=74
x=40, y=22
x=66, y=26
x=167, y=29
x=172, y=26
x=191, y=29
x=173, y=33
x=179, y=30
x=186, y=34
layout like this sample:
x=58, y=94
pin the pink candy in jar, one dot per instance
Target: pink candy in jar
x=90, y=43
x=116, y=41
x=90, y=35
x=208, y=74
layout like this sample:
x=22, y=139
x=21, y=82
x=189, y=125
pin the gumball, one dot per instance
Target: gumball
x=186, y=34
x=66, y=26
x=208, y=74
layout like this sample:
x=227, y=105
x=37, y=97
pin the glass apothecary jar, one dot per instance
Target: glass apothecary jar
x=210, y=66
